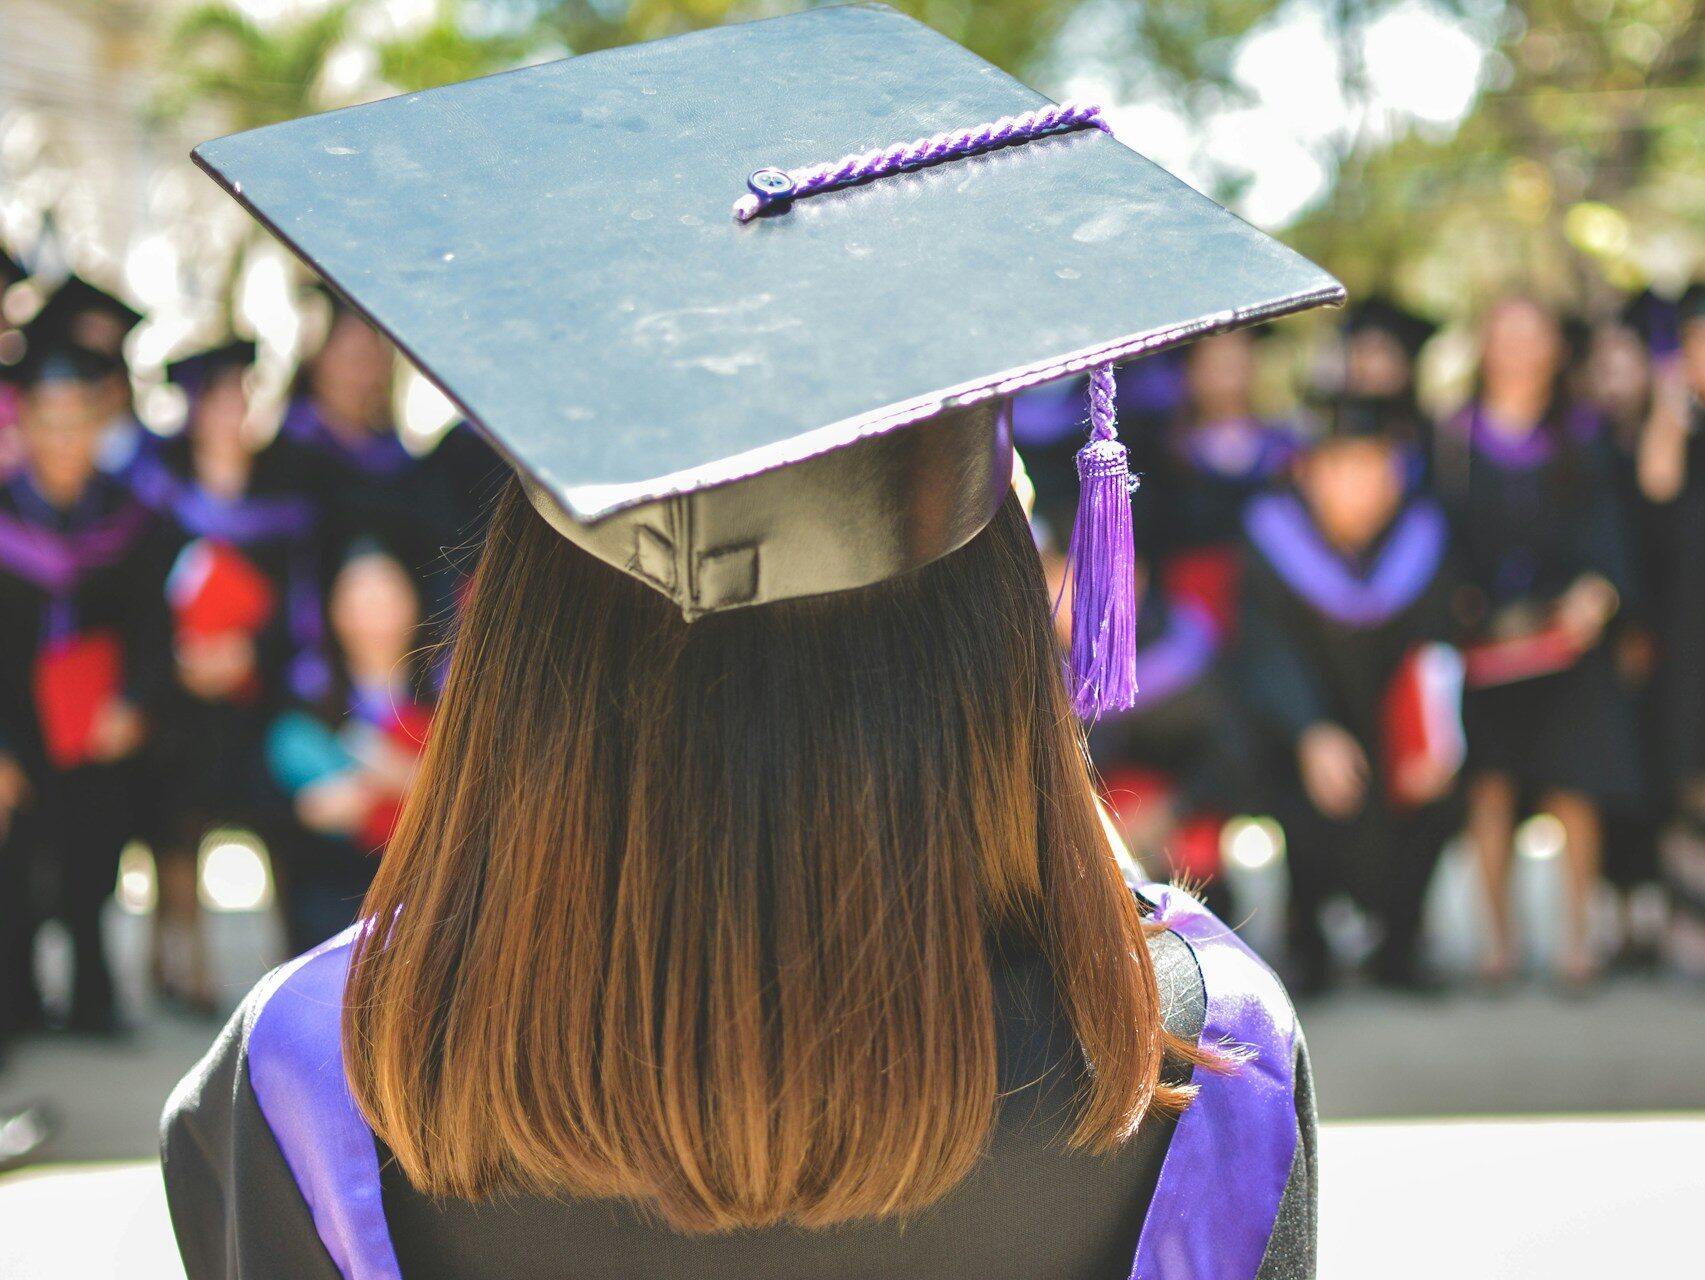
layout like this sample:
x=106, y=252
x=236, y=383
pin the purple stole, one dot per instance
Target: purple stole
x=56, y=562
x=1260, y=452
x=1283, y=531
x=247, y=520
x=1179, y=657
x=378, y=456
x=1510, y=452
x=1211, y=1216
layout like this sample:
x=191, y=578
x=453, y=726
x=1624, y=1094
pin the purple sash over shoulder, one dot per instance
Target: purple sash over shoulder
x=296, y=1073
x=1211, y=1217
x=55, y=562
x=1215, y=1207
x=1179, y=657
x=1281, y=529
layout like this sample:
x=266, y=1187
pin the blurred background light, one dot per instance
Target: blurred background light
x=235, y=872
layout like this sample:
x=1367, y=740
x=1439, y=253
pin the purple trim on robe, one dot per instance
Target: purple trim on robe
x=380, y=454
x=1282, y=530
x=1238, y=448
x=1511, y=452
x=54, y=561
x=1225, y=1171
x=239, y=521
x=1179, y=657
x=297, y=1076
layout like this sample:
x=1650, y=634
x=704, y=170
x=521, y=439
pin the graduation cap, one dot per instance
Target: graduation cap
x=194, y=373
x=50, y=354
x=91, y=317
x=802, y=395
x=1378, y=313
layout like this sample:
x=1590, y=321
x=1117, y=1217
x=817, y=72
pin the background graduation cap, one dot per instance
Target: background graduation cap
x=195, y=372
x=95, y=320
x=50, y=354
x=1380, y=314
x=714, y=405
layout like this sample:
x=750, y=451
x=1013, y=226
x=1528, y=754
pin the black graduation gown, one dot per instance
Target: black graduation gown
x=428, y=511
x=98, y=568
x=1186, y=728
x=270, y=1171
x=1321, y=641
x=1190, y=507
x=1529, y=518
x=1681, y=620
x=206, y=761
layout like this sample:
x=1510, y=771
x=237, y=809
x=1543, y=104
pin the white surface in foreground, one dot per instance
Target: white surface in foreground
x=1488, y=1200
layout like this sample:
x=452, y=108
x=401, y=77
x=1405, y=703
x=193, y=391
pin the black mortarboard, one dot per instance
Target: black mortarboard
x=51, y=355
x=11, y=271
x=1362, y=418
x=1380, y=313
x=194, y=372
x=714, y=405
x=73, y=303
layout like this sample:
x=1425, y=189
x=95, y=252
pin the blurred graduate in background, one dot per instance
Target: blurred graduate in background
x=85, y=662
x=247, y=632
x=1344, y=661
x=1527, y=477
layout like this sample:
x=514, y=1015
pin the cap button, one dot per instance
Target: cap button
x=770, y=185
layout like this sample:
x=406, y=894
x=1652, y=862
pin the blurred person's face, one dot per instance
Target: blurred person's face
x=61, y=431
x=351, y=374
x=1521, y=346
x=1693, y=355
x=373, y=611
x=1354, y=489
x=1618, y=370
x=221, y=416
x=1220, y=376
x=1376, y=365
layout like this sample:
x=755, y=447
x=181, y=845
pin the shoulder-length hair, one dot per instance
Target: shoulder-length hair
x=702, y=916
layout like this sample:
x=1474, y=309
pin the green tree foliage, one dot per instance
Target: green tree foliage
x=1581, y=167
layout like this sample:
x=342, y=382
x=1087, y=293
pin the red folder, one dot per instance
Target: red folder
x=73, y=679
x=214, y=589
x=1423, y=722
x=1521, y=657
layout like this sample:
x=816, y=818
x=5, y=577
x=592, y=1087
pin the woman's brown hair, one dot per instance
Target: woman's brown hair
x=703, y=915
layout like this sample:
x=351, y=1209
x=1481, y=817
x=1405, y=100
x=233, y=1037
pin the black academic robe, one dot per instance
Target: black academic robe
x=1185, y=723
x=1322, y=639
x=271, y=1172
x=1681, y=623
x=1529, y=517
x=97, y=569
x=206, y=760
x=1197, y=480
x=427, y=511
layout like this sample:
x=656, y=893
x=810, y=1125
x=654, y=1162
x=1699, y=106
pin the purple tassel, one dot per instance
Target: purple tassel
x=1103, y=662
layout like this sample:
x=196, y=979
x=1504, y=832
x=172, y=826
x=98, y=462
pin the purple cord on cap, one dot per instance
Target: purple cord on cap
x=1102, y=665
x=772, y=186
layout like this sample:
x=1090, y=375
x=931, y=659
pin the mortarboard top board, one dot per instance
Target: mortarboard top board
x=1378, y=312
x=193, y=372
x=555, y=248
x=71, y=305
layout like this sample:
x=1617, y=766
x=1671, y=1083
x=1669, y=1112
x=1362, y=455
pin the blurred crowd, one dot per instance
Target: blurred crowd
x=229, y=626
x=1380, y=627
x=1386, y=628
